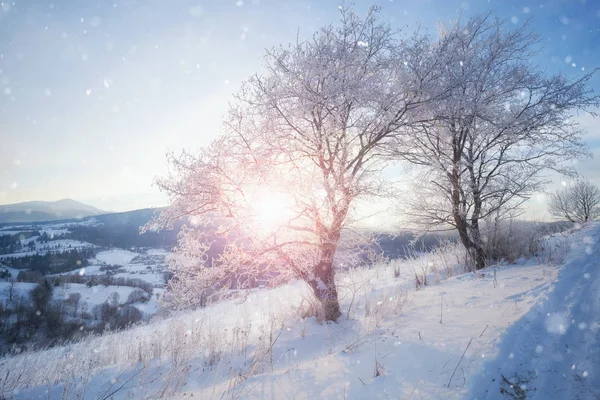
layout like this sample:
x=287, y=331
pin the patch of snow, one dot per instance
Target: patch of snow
x=116, y=256
x=94, y=295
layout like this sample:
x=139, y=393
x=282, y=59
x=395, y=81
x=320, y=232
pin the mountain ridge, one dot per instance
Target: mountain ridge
x=38, y=211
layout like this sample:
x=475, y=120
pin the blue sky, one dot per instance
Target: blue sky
x=94, y=93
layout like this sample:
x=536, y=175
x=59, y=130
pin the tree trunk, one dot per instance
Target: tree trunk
x=325, y=290
x=478, y=250
x=477, y=244
x=323, y=285
x=459, y=214
x=463, y=234
x=471, y=242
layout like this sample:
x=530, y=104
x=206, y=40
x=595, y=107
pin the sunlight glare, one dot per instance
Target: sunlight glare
x=272, y=210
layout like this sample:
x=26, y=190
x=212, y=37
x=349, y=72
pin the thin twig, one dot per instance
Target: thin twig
x=495, y=280
x=123, y=385
x=484, y=329
x=461, y=358
x=415, y=388
x=441, y=307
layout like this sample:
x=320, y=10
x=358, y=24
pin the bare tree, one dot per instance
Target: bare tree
x=579, y=202
x=11, y=289
x=74, y=299
x=276, y=191
x=504, y=124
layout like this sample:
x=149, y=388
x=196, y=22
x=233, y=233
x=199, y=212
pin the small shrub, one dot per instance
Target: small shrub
x=5, y=274
x=29, y=276
x=420, y=277
x=40, y=296
x=138, y=296
x=126, y=316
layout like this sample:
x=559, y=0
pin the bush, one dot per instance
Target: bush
x=126, y=316
x=112, y=269
x=106, y=312
x=41, y=295
x=138, y=296
x=117, y=317
x=512, y=239
x=29, y=276
x=55, y=319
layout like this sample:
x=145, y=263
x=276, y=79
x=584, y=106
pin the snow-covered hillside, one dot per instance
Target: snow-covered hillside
x=527, y=330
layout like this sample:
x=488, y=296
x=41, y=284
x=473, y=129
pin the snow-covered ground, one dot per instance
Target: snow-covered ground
x=115, y=256
x=534, y=323
x=141, y=271
x=148, y=267
x=19, y=289
x=553, y=352
x=95, y=295
x=59, y=245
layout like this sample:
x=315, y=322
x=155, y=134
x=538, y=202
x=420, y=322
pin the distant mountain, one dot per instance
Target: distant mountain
x=38, y=211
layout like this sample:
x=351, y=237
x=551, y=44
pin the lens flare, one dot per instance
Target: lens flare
x=272, y=210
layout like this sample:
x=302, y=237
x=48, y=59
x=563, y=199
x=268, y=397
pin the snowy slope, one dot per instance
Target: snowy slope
x=417, y=354
x=553, y=352
x=397, y=343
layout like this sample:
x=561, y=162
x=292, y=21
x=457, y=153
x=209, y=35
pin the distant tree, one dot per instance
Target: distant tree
x=22, y=308
x=41, y=296
x=84, y=312
x=485, y=146
x=114, y=299
x=74, y=299
x=54, y=318
x=138, y=296
x=579, y=202
x=29, y=276
x=5, y=314
x=106, y=312
x=126, y=316
x=302, y=144
x=11, y=289
x=167, y=276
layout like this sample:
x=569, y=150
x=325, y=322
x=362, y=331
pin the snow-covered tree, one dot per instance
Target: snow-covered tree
x=276, y=191
x=579, y=202
x=502, y=125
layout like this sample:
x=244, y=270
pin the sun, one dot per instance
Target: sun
x=271, y=209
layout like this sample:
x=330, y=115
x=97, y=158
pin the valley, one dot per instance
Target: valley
x=62, y=280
